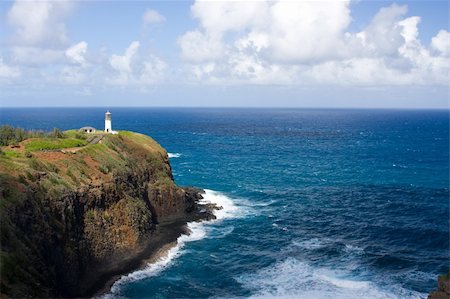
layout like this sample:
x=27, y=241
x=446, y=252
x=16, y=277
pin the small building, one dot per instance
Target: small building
x=88, y=130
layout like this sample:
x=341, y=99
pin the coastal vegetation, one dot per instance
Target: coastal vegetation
x=10, y=135
x=53, y=143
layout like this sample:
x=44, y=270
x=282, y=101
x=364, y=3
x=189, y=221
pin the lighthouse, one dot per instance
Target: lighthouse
x=108, y=128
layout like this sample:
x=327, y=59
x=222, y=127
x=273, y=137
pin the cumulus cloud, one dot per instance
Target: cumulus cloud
x=37, y=22
x=38, y=36
x=76, y=53
x=235, y=42
x=306, y=42
x=132, y=68
x=383, y=36
x=441, y=42
x=152, y=17
x=304, y=31
x=122, y=63
x=78, y=70
x=197, y=46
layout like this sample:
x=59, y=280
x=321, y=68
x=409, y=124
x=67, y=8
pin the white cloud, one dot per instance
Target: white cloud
x=218, y=17
x=7, y=71
x=131, y=68
x=76, y=53
x=38, y=36
x=383, y=35
x=39, y=22
x=122, y=63
x=304, y=31
x=78, y=71
x=197, y=46
x=441, y=42
x=306, y=42
x=235, y=42
x=152, y=17
x=152, y=71
x=36, y=56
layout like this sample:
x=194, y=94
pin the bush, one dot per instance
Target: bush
x=104, y=169
x=10, y=135
x=57, y=133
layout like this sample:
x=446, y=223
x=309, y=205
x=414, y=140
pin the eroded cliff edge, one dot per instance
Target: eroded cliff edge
x=70, y=218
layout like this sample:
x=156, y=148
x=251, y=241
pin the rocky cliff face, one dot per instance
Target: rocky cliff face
x=70, y=218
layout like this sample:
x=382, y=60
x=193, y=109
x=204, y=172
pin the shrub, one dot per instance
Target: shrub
x=103, y=168
x=10, y=135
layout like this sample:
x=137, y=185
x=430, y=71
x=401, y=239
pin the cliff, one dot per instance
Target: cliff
x=72, y=217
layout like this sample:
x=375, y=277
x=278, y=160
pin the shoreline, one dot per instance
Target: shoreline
x=161, y=241
x=164, y=238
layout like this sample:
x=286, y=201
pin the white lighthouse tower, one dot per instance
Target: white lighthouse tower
x=108, y=128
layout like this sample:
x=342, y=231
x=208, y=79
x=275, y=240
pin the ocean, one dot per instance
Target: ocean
x=317, y=203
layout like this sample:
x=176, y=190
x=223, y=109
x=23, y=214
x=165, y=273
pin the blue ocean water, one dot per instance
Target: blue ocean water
x=317, y=203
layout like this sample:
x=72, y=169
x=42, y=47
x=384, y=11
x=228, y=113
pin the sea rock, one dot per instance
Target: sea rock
x=443, y=291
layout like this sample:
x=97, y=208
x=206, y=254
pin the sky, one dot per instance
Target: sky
x=339, y=54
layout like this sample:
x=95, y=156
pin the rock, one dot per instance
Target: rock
x=443, y=291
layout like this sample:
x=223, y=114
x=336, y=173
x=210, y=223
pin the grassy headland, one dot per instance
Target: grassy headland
x=75, y=207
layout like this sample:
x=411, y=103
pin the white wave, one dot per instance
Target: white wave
x=197, y=231
x=292, y=278
x=219, y=232
x=262, y=204
x=229, y=209
x=174, y=155
x=353, y=249
x=313, y=243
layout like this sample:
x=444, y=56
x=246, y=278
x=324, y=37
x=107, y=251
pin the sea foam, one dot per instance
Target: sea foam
x=228, y=210
x=173, y=155
x=197, y=231
x=292, y=278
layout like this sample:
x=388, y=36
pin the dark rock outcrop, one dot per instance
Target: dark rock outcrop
x=70, y=221
x=443, y=290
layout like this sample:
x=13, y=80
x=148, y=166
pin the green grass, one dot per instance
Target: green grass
x=53, y=143
x=75, y=134
x=12, y=154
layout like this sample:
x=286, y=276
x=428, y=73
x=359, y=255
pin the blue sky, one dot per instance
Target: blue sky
x=194, y=53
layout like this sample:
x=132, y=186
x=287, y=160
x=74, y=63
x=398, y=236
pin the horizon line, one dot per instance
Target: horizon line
x=231, y=107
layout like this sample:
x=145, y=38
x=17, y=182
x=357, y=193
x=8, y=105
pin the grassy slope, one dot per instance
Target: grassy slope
x=38, y=144
x=88, y=165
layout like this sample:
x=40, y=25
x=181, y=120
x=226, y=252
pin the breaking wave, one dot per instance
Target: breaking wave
x=292, y=278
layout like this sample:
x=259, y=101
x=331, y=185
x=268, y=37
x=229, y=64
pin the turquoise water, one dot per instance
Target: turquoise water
x=317, y=203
